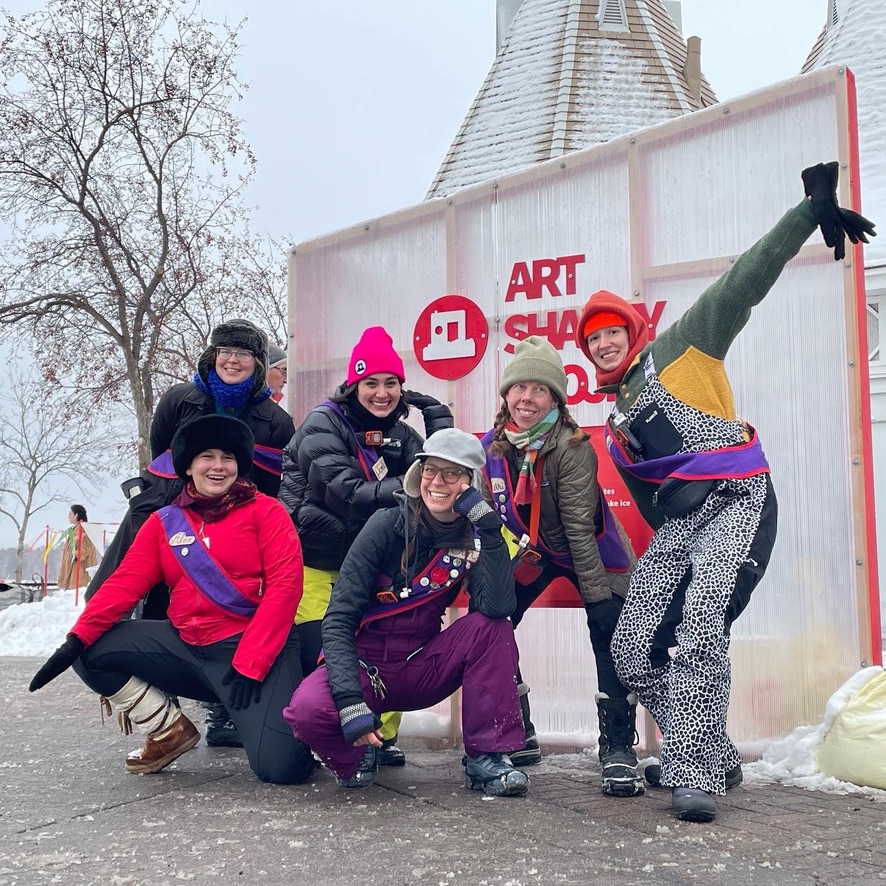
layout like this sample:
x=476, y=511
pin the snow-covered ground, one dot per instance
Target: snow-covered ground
x=37, y=629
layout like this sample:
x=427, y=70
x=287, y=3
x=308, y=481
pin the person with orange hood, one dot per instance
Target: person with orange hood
x=699, y=477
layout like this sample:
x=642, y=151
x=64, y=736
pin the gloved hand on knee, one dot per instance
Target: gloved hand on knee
x=244, y=690
x=58, y=662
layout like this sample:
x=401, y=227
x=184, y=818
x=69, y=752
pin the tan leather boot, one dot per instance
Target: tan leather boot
x=169, y=732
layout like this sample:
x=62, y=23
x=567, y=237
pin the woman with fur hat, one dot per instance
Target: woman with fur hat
x=541, y=474
x=346, y=461
x=699, y=476
x=232, y=560
x=231, y=379
x=382, y=641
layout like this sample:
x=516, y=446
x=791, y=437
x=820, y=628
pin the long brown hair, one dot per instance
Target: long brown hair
x=501, y=445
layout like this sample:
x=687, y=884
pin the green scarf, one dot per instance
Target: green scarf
x=529, y=442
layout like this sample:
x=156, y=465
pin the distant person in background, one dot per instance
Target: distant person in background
x=276, y=371
x=78, y=554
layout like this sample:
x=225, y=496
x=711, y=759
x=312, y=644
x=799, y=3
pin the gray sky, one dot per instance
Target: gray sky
x=352, y=105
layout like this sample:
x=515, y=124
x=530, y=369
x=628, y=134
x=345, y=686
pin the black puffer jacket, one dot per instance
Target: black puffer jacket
x=270, y=425
x=325, y=488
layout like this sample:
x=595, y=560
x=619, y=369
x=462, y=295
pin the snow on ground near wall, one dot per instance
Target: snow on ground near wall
x=37, y=629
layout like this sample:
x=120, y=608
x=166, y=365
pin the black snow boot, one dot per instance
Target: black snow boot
x=221, y=732
x=618, y=719
x=531, y=752
x=389, y=754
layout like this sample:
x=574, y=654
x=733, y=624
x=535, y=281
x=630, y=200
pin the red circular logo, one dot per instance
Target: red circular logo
x=450, y=337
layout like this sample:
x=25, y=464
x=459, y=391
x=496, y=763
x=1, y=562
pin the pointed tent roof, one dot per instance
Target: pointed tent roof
x=571, y=74
x=855, y=35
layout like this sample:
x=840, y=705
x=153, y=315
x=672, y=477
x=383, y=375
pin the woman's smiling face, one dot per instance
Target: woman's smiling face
x=379, y=393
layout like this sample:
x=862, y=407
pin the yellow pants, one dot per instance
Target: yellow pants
x=313, y=605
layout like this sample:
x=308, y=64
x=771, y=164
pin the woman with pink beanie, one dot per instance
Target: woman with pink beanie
x=345, y=462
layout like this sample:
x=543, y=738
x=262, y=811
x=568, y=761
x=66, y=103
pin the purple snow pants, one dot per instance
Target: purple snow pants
x=475, y=652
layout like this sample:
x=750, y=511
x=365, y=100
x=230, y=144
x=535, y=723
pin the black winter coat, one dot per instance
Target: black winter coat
x=325, y=488
x=269, y=423
x=377, y=550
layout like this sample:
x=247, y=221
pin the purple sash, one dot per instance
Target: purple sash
x=445, y=571
x=268, y=459
x=613, y=554
x=195, y=560
x=367, y=454
x=161, y=466
x=736, y=462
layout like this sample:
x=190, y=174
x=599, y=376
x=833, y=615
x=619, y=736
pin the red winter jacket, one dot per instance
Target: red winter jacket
x=255, y=544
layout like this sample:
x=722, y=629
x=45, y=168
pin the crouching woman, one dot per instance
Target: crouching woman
x=233, y=563
x=382, y=639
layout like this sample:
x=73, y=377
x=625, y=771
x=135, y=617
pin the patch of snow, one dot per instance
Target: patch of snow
x=39, y=628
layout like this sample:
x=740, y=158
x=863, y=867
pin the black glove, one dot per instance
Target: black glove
x=857, y=226
x=420, y=401
x=820, y=184
x=58, y=662
x=603, y=615
x=436, y=416
x=244, y=690
x=472, y=505
x=357, y=720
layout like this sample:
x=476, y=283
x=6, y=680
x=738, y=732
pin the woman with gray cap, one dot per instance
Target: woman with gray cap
x=384, y=649
x=232, y=560
x=541, y=473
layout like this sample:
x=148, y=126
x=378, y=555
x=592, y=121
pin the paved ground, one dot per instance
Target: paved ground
x=70, y=813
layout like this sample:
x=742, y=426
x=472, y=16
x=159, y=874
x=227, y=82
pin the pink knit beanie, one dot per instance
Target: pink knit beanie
x=374, y=353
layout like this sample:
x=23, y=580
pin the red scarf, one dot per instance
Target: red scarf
x=213, y=507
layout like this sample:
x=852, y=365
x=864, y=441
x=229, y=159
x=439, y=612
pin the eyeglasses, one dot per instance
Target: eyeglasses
x=449, y=475
x=227, y=353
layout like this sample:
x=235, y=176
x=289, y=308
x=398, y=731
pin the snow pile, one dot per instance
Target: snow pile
x=38, y=628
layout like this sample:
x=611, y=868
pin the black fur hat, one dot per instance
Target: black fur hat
x=212, y=432
x=237, y=334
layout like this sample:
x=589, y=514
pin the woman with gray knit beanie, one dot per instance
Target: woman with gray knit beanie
x=541, y=474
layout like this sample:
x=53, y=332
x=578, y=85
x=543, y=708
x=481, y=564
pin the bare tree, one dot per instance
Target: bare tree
x=122, y=167
x=39, y=452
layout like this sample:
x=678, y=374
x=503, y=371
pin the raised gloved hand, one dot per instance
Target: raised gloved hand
x=603, y=615
x=435, y=414
x=471, y=504
x=244, y=690
x=58, y=662
x=820, y=185
x=357, y=720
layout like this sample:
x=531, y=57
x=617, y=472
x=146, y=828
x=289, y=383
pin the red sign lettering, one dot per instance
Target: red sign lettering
x=545, y=274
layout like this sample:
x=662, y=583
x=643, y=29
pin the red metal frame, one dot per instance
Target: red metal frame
x=865, y=385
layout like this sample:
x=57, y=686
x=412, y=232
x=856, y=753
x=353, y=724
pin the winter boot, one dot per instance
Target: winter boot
x=169, y=732
x=531, y=752
x=652, y=774
x=618, y=735
x=494, y=774
x=693, y=804
x=389, y=754
x=221, y=731
x=366, y=771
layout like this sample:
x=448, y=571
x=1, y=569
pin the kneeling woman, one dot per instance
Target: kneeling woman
x=384, y=649
x=232, y=560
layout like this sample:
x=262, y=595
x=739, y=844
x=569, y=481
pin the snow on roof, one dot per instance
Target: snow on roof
x=561, y=84
x=855, y=36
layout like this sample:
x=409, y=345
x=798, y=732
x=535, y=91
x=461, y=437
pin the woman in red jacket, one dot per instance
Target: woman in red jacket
x=233, y=562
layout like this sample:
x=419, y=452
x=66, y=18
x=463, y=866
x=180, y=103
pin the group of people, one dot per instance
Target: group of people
x=313, y=609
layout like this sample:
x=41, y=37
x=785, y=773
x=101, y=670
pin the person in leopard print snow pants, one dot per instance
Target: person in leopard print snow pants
x=699, y=477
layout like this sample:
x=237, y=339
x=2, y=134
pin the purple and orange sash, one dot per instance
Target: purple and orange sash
x=612, y=550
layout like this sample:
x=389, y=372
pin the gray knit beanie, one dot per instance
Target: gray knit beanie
x=536, y=359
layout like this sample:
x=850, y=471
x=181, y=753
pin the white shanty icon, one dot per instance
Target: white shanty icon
x=448, y=337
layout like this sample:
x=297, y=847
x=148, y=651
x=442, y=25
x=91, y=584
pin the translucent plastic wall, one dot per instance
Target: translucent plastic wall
x=655, y=217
